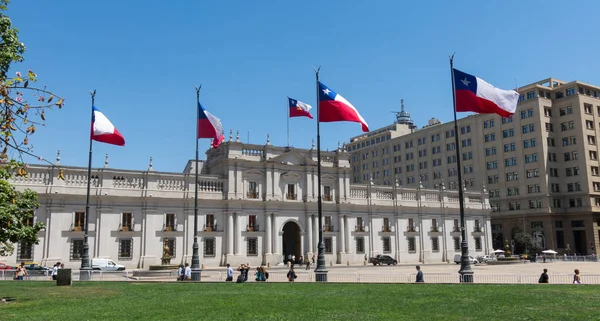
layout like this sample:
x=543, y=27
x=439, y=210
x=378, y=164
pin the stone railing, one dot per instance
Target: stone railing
x=385, y=195
x=45, y=180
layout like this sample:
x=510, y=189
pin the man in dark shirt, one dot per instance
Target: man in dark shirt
x=419, y=274
x=544, y=277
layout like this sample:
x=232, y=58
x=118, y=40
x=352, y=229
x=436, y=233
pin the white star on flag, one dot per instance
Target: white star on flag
x=326, y=91
x=466, y=82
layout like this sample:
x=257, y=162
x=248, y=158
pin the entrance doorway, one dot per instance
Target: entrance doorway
x=291, y=241
x=580, y=242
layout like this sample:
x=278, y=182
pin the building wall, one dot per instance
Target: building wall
x=225, y=193
x=548, y=112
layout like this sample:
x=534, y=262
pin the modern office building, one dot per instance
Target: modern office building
x=257, y=205
x=540, y=166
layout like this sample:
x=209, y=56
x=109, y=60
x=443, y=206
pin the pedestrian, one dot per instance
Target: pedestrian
x=21, y=272
x=544, y=277
x=180, y=273
x=576, y=277
x=544, y=257
x=188, y=272
x=313, y=258
x=419, y=275
x=229, y=273
x=291, y=275
x=307, y=264
x=293, y=259
x=55, y=271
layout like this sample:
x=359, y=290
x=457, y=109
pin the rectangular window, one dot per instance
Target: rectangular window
x=456, y=244
x=435, y=244
x=210, y=223
x=126, y=220
x=252, y=226
x=79, y=221
x=252, y=246
x=125, y=248
x=387, y=244
x=328, y=227
x=252, y=190
x=76, y=249
x=327, y=194
x=560, y=239
x=412, y=246
x=210, y=246
x=478, y=244
x=291, y=192
x=411, y=225
x=360, y=245
x=24, y=251
x=328, y=241
x=170, y=222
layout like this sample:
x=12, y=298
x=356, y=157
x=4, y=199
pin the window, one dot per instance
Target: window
x=252, y=190
x=456, y=243
x=328, y=241
x=571, y=91
x=435, y=244
x=549, y=127
x=412, y=245
x=252, y=246
x=593, y=155
x=387, y=244
x=560, y=239
x=291, y=192
x=76, y=249
x=386, y=225
x=328, y=227
x=360, y=245
x=209, y=247
x=327, y=194
x=24, y=251
x=591, y=140
x=210, y=223
x=170, y=242
x=79, y=221
x=170, y=222
x=125, y=248
x=478, y=244
x=411, y=225
x=252, y=226
x=126, y=220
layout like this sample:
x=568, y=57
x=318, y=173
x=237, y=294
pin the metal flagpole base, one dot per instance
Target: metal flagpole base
x=85, y=272
x=466, y=273
x=321, y=270
x=196, y=270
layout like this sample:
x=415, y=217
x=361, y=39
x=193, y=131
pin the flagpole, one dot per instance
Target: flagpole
x=288, y=123
x=465, y=264
x=321, y=269
x=195, y=248
x=86, y=269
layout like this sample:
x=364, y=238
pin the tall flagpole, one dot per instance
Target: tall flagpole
x=195, y=256
x=85, y=272
x=288, y=123
x=465, y=264
x=321, y=270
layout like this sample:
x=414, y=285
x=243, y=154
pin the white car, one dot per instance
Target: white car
x=471, y=259
x=106, y=265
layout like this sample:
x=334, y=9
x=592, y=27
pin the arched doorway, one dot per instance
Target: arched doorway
x=291, y=241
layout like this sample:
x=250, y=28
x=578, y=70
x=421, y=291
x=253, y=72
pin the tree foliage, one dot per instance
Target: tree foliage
x=528, y=243
x=22, y=112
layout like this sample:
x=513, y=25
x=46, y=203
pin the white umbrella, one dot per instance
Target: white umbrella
x=550, y=252
x=498, y=251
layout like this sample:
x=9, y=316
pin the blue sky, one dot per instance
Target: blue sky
x=144, y=58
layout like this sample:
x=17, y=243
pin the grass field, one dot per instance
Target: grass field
x=298, y=301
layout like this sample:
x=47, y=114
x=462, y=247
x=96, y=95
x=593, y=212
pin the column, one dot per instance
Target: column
x=342, y=230
x=275, y=234
x=348, y=235
x=237, y=234
x=268, y=234
x=316, y=233
x=309, y=235
x=302, y=244
x=229, y=233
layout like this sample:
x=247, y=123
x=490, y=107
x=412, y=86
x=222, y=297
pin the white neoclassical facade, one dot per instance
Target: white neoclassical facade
x=257, y=205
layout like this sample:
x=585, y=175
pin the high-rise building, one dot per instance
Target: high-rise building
x=540, y=166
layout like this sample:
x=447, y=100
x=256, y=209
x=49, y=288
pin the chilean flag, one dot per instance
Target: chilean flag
x=103, y=130
x=333, y=107
x=209, y=126
x=299, y=109
x=474, y=94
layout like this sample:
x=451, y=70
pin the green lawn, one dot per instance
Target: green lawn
x=296, y=301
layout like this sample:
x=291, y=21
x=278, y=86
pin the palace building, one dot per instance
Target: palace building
x=257, y=205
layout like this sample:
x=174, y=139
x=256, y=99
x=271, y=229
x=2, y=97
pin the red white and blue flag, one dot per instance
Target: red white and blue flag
x=299, y=109
x=103, y=130
x=475, y=95
x=209, y=126
x=334, y=107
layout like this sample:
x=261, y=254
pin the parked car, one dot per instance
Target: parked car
x=106, y=265
x=383, y=259
x=6, y=267
x=484, y=258
x=471, y=259
x=33, y=268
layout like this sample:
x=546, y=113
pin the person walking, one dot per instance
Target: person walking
x=180, y=273
x=55, y=269
x=229, y=273
x=419, y=275
x=544, y=277
x=307, y=264
x=576, y=277
x=21, y=271
x=291, y=275
x=188, y=272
